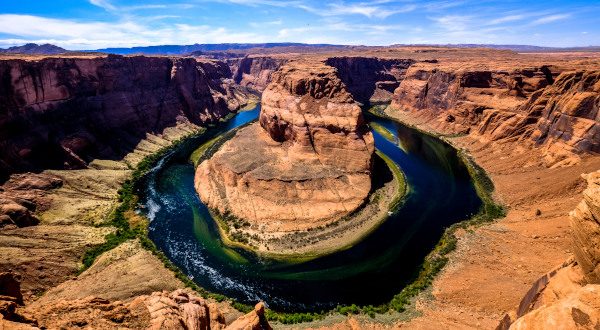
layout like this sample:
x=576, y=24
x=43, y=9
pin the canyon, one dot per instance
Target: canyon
x=83, y=124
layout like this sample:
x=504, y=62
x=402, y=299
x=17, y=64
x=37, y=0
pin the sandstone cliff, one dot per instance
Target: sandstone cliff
x=64, y=112
x=585, y=225
x=533, y=105
x=307, y=164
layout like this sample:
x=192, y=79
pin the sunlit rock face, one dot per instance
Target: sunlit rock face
x=305, y=164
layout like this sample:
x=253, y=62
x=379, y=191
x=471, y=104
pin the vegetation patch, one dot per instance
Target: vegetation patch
x=383, y=131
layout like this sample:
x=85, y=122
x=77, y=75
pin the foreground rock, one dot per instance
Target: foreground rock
x=22, y=196
x=307, y=164
x=568, y=297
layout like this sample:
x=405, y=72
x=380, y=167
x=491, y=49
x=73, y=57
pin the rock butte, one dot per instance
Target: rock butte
x=530, y=120
x=306, y=164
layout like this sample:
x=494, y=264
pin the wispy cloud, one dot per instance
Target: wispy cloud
x=365, y=10
x=268, y=23
x=105, y=4
x=90, y=35
x=550, y=19
x=453, y=22
x=507, y=18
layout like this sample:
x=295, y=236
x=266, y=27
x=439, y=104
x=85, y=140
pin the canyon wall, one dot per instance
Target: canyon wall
x=255, y=71
x=370, y=79
x=64, y=112
x=308, y=162
x=535, y=105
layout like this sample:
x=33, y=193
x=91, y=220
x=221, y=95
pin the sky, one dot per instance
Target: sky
x=93, y=24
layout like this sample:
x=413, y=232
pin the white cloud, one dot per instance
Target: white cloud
x=103, y=4
x=365, y=10
x=550, y=19
x=453, y=22
x=91, y=35
x=506, y=19
x=269, y=23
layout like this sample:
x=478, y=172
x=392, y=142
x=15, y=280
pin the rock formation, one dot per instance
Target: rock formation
x=569, y=296
x=585, y=225
x=180, y=309
x=64, y=112
x=22, y=196
x=307, y=164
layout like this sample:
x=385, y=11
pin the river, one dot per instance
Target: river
x=371, y=272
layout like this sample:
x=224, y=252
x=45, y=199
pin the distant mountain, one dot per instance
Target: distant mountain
x=516, y=48
x=187, y=49
x=35, y=49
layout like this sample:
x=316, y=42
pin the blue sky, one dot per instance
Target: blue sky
x=91, y=24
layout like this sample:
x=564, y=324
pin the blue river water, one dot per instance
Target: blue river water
x=371, y=272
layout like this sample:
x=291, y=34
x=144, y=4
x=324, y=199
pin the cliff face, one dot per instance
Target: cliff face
x=307, y=164
x=63, y=112
x=370, y=79
x=568, y=111
x=255, y=71
x=527, y=104
x=585, y=225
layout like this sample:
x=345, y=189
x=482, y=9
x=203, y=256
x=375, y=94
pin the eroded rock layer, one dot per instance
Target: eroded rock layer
x=585, y=225
x=307, y=163
x=530, y=104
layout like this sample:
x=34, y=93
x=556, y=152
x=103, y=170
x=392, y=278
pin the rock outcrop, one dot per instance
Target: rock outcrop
x=569, y=297
x=306, y=165
x=177, y=310
x=64, y=112
x=22, y=196
x=585, y=225
x=568, y=112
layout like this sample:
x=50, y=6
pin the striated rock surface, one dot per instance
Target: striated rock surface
x=533, y=105
x=579, y=310
x=569, y=112
x=307, y=164
x=569, y=297
x=64, y=112
x=585, y=225
x=461, y=100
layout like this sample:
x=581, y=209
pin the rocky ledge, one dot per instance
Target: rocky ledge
x=305, y=165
